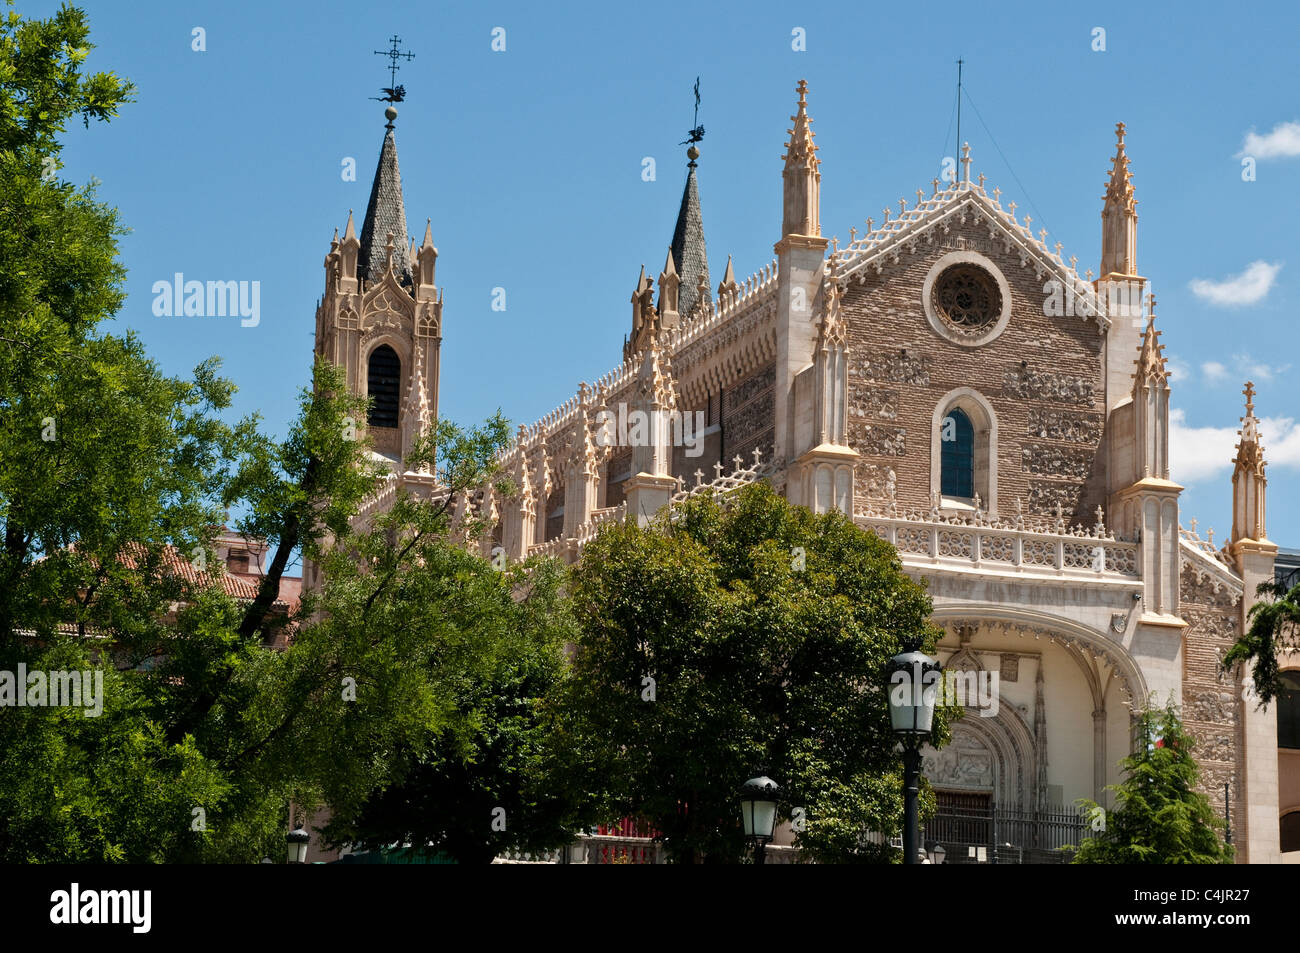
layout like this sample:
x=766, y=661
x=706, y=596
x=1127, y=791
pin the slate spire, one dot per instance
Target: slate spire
x=689, y=255
x=385, y=213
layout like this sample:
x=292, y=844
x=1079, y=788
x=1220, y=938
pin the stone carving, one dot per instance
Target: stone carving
x=1204, y=589
x=1048, y=385
x=1045, y=497
x=873, y=402
x=964, y=763
x=1211, y=705
x=1009, y=670
x=1064, y=425
x=872, y=441
x=877, y=481
x=1045, y=459
x=899, y=368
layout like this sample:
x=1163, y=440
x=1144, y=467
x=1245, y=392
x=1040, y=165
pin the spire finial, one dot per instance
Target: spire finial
x=965, y=163
x=1250, y=398
x=696, y=132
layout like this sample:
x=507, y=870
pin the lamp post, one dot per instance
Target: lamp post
x=758, y=812
x=913, y=678
x=938, y=854
x=297, y=840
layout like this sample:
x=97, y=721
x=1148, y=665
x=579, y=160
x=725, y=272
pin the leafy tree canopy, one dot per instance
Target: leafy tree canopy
x=734, y=637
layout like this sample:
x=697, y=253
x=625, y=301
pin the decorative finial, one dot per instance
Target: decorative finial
x=392, y=92
x=853, y=234
x=870, y=222
x=1250, y=398
x=965, y=163
x=997, y=194
x=935, y=183
x=902, y=205
x=981, y=180
x=1119, y=132
x=696, y=132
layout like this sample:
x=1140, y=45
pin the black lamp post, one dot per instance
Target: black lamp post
x=913, y=682
x=297, y=840
x=758, y=813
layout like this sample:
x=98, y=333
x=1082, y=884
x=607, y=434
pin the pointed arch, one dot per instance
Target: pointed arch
x=964, y=450
x=384, y=386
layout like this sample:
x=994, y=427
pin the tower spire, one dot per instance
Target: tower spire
x=688, y=250
x=385, y=213
x=802, y=175
x=1119, y=216
x=1248, y=481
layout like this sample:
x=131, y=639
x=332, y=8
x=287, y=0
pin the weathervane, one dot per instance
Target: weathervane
x=393, y=93
x=697, y=131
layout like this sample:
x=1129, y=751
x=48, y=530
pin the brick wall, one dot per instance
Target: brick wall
x=1211, y=699
x=1042, y=376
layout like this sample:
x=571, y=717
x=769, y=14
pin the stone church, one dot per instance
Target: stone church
x=956, y=386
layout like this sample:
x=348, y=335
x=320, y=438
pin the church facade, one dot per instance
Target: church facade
x=953, y=384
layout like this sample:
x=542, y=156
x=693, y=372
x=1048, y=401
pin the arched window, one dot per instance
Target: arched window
x=1290, y=839
x=1288, y=712
x=384, y=379
x=957, y=455
x=964, y=452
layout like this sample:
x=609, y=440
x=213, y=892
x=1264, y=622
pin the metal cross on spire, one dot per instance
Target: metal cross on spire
x=393, y=93
x=697, y=131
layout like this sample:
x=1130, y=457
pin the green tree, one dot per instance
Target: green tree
x=1161, y=818
x=110, y=471
x=740, y=634
x=1274, y=629
x=481, y=785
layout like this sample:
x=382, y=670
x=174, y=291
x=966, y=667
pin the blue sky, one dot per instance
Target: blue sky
x=528, y=161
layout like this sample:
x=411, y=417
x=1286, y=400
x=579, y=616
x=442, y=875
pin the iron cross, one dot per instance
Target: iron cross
x=393, y=92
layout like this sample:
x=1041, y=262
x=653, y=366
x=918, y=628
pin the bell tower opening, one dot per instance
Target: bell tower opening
x=383, y=377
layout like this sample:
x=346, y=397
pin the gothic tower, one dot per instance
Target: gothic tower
x=381, y=315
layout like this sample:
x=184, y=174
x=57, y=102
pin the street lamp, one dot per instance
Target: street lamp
x=758, y=812
x=938, y=854
x=297, y=840
x=913, y=678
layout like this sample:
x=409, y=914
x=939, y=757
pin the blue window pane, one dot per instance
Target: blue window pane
x=957, y=455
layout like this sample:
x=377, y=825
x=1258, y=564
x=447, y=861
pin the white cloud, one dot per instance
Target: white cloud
x=1249, y=287
x=1282, y=143
x=1250, y=369
x=1214, y=371
x=1179, y=370
x=1196, y=453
